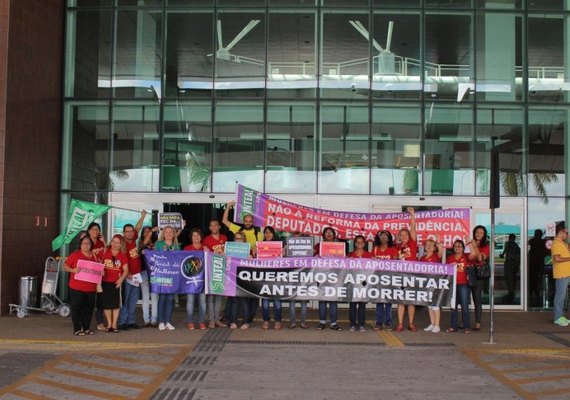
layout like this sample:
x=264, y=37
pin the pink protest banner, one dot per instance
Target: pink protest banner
x=448, y=225
x=89, y=271
x=269, y=249
x=332, y=249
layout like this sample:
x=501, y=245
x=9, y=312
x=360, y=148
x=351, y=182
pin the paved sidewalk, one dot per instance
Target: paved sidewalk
x=40, y=358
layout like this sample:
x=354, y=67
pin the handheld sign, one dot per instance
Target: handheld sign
x=173, y=219
x=332, y=249
x=269, y=249
x=89, y=271
x=237, y=249
x=299, y=246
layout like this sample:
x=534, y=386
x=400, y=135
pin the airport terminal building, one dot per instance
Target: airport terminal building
x=353, y=105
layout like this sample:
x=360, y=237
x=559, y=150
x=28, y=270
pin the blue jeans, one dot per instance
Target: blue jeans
x=253, y=305
x=236, y=303
x=276, y=309
x=214, y=303
x=323, y=311
x=292, y=317
x=561, y=286
x=462, y=298
x=128, y=314
x=383, y=314
x=190, y=298
x=353, y=312
x=165, y=306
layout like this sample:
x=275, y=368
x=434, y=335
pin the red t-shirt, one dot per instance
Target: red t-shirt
x=408, y=251
x=365, y=254
x=71, y=262
x=389, y=253
x=191, y=247
x=135, y=264
x=485, y=250
x=434, y=258
x=113, y=266
x=215, y=245
x=98, y=249
x=461, y=266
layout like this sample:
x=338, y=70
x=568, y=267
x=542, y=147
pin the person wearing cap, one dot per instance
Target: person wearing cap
x=384, y=249
x=560, y=272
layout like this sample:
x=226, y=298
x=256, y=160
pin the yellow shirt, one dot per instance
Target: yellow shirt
x=561, y=269
x=249, y=235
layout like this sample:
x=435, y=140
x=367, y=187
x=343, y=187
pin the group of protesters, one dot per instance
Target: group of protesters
x=115, y=299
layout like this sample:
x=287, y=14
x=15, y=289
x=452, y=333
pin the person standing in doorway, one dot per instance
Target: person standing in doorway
x=536, y=253
x=512, y=255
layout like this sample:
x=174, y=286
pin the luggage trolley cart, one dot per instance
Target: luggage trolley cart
x=49, y=302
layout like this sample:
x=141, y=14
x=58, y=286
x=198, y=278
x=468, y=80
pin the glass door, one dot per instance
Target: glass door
x=509, y=258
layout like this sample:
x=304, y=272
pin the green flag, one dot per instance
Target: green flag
x=81, y=214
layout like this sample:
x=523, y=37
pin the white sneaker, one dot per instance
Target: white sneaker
x=436, y=329
x=429, y=328
x=161, y=326
x=169, y=326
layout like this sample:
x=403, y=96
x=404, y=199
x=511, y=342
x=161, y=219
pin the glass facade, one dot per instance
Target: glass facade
x=319, y=97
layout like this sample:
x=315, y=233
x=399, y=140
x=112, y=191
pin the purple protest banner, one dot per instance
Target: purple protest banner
x=176, y=271
x=332, y=279
x=448, y=225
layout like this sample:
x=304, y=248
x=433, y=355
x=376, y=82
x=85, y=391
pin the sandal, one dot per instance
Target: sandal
x=467, y=331
x=400, y=328
x=412, y=327
x=79, y=333
x=244, y=326
x=101, y=327
x=88, y=332
x=451, y=330
x=109, y=330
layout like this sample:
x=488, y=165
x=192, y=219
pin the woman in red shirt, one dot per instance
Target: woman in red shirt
x=384, y=249
x=98, y=248
x=116, y=271
x=433, y=253
x=408, y=251
x=459, y=259
x=81, y=294
x=359, y=252
x=478, y=255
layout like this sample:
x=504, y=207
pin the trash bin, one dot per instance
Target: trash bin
x=545, y=291
x=28, y=292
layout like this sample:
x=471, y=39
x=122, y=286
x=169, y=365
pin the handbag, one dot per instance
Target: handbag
x=471, y=276
x=483, y=271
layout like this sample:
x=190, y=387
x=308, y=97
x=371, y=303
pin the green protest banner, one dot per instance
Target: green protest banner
x=81, y=214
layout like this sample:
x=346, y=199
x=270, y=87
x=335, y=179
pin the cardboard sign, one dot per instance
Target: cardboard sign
x=299, y=246
x=237, y=249
x=269, y=249
x=332, y=249
x=550, y=229
x=89, y=271
x=173, y=219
